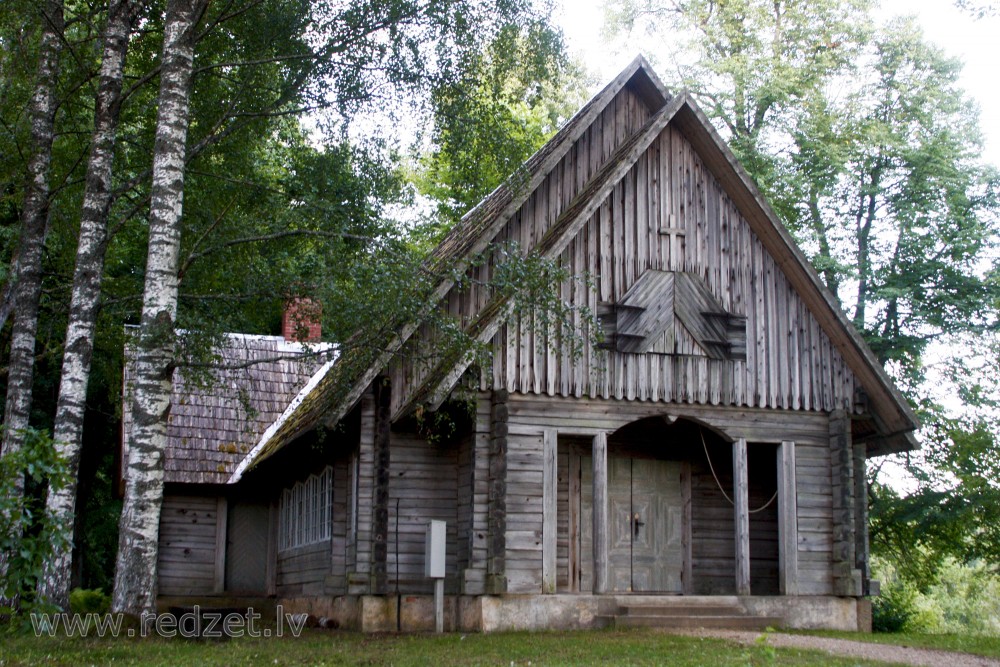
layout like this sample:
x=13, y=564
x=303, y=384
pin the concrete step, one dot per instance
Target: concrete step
x=688, y=622
x=680, y=610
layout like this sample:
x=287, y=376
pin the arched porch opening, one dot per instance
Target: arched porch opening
x=670, y=517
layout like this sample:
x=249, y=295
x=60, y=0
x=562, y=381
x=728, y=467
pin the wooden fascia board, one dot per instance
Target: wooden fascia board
x=883, y=393
x=468, y=239
x=489, y=320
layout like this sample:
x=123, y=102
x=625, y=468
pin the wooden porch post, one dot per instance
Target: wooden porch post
x=742, y=520
x=550, y=481
x=600, y=457
x=788, y=530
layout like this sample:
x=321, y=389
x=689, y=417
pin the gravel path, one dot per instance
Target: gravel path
x=865, y=650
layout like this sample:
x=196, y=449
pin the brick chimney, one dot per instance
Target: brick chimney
x=301, y=320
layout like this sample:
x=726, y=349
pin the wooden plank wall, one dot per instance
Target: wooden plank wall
x=790, y=364
x=473, y=501
x=668, y=213
x=186, y=559
x=303, y=570
x=713, y=549
x=424, y=479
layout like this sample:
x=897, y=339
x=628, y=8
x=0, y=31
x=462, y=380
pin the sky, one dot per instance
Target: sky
x=975, y=42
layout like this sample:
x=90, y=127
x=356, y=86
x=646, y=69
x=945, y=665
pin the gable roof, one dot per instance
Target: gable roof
x=333, y=394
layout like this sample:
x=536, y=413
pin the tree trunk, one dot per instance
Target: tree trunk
x=28, y=279
x=135, y=571
x=54, y=585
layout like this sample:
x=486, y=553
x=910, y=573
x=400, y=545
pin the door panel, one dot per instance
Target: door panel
x=644, y=503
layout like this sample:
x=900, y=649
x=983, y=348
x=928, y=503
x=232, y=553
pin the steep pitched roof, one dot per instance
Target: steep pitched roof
x=336, y=393
x=340, y=386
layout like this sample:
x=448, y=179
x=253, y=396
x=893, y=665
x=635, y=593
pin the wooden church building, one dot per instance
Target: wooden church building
x=707, y=454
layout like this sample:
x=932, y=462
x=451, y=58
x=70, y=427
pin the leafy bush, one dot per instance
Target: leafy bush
x=28, y=533
x=86, y=601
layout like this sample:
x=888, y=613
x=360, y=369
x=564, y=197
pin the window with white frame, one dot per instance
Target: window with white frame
x=305, y=511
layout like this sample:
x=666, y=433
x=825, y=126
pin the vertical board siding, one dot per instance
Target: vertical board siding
x=186, y=559
x=668, y=213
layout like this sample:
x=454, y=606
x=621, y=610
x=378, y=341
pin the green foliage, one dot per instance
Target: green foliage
x=960, y=599
x=28, y=532
x=89, y=601
x=506, y=103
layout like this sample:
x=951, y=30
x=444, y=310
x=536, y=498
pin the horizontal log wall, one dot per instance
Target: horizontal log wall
x=713, y=548
x=186, y=559
x=423, y=477
x=304, y=570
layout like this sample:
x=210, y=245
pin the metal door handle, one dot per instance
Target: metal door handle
x=635, y=525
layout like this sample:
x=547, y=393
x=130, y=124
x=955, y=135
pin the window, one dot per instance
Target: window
x=305, y=511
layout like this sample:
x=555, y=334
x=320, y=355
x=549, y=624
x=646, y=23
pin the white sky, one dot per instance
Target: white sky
x=975, y=42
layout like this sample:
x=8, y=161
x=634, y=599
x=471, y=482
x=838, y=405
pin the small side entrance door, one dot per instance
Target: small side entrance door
x=246, y=548
x=644, y=515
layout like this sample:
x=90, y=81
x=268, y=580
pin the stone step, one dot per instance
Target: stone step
x=688, y=622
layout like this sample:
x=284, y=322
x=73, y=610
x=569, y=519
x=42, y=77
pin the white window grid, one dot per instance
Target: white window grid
x=306, y=511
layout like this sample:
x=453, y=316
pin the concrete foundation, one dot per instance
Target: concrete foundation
x=500, y=613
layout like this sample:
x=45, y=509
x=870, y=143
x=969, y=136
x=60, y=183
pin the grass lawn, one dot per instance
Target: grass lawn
x=976, y=644
x=324, y=647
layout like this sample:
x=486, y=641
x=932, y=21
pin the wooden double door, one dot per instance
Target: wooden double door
x=645, y=553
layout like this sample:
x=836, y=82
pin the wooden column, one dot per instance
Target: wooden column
x=550, y=482
x=600, y=457
x=861, y=554
x=788, y=521
x=380, y=510
x=741, y=502
x=687, y=541
x=221, y=537
x=846, y=578
x=496, y=548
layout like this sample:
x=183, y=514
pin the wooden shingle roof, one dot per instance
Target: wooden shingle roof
x=214, y=423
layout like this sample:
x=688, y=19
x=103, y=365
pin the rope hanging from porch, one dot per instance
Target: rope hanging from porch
x=725, y=495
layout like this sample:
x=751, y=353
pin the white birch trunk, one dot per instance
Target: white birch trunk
x=54, y=585
x=135, y=571
x=27, y=270
x=27, y=277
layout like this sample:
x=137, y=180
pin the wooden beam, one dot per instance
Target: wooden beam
x=575, y=500
x=380, y=509
x=221, y=529
x=550, y=482
x=496, y=546
x=861, y=547
x=271, y=569
x=687, y=571
x=788, y=526
x=741, y=502
x=600, y=458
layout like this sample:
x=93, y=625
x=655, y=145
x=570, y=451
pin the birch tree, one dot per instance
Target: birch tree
x=54, y=585
x=135, y=571
x=27, y=274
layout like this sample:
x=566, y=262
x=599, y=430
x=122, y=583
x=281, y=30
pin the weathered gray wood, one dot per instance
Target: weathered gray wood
x=742, y=516
x=549, y=524
x=687, y=574
x=496, y=581
x=380, y=510
x=788, y=553
x=600, y=512
x=222, y=514
x=271, y=575
x=861, y=549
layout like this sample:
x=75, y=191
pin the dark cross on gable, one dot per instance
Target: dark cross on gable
x=674, y=234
